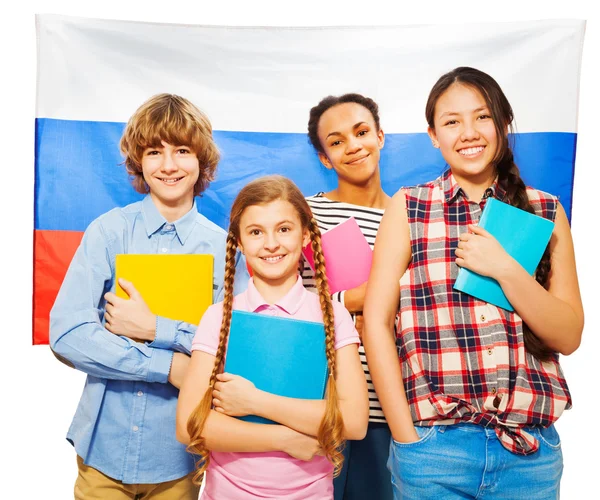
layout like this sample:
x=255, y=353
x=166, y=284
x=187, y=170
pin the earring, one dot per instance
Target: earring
x=435, y=144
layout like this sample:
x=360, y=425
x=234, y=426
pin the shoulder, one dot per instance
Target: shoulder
x=421, y=190
x=317, y=200
x=538, y=195
x=212, y=314
x=340, y=311
x=209, y=227
x=544, y=204
x=345, y=331
x=117, y=218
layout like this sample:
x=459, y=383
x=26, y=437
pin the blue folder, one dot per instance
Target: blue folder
x=522, y=234
x=279, y=355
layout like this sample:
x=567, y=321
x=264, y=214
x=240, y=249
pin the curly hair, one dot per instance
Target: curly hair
x=329, y=102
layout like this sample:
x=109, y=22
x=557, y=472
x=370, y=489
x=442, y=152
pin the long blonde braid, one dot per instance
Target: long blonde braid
x=331, y=430
x=198, y=417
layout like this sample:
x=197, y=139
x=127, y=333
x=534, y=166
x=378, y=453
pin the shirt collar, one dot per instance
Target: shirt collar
x=290, y=302
x=452, y=189
x=152, y=217
x=155, y=221
x=186, y=224
x=450, y=186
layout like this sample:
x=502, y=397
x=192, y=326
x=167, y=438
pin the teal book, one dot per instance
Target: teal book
x=522, y=234
x=282, y=356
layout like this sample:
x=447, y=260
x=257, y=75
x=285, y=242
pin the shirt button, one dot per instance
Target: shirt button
x=493, y=390
x=140, y=393
x=482, y=318
x=135, y=428
x=168, y=227
x=490, y=352
x=164, y=250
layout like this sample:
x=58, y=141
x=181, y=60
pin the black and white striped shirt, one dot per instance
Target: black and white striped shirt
x=328, y=214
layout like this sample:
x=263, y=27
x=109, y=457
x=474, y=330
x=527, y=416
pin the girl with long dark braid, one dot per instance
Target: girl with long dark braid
x=472, y=402
x=270, y=223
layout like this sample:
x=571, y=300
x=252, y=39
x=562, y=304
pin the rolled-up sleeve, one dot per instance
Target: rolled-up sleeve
x=76, y=330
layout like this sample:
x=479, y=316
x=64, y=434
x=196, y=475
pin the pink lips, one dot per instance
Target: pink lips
x=357, y=160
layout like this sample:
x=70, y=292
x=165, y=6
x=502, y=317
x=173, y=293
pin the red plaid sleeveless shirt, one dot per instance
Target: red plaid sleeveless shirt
x=463, y=360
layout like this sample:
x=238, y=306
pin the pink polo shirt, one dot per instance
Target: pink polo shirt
x=234, y=476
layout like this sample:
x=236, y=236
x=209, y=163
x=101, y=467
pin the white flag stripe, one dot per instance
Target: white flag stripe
x=266, y=79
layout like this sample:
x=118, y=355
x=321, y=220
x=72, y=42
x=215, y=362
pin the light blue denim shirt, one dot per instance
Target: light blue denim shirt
x=124, y=425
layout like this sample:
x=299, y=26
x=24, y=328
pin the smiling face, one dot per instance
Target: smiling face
x=466, y=133
x=351, y=143
x=171, y=173
x=271, y=237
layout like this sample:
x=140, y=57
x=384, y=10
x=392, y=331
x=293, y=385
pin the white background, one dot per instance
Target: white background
x=39, y=395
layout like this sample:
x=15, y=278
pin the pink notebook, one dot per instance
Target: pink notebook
x=348, y=256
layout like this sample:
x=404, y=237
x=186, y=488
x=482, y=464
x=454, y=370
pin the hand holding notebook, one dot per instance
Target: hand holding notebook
x=523, y=235
x=282, y=356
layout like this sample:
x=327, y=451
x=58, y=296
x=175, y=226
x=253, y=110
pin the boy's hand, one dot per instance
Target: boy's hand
x=129, y=317
x=234, y=395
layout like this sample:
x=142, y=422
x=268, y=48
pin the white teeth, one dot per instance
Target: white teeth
x=273, y=259
x=171, y=181
x=471, y=151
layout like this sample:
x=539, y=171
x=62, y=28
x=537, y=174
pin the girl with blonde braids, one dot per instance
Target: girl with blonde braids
x=270, y=223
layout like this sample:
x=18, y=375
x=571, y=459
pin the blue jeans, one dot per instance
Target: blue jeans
x=364, y=474
x=468, y=461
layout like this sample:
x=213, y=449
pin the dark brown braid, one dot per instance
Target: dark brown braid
x=516, y=195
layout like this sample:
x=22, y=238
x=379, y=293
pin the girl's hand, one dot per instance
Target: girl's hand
x=480, y=252
x=298, y=445
x=234, y=395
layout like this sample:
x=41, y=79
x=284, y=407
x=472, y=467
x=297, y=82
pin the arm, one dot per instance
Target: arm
x=391, y=258
x=234, y=395
x=354, y=299
x=76, y=331
x=227, y=434
x=555, y=315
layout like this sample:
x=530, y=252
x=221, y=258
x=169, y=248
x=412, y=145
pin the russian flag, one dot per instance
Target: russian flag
x=257, y=85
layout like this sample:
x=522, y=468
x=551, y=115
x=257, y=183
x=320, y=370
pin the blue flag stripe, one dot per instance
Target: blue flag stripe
x=79, y=172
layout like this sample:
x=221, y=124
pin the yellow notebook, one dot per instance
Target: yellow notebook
x=178, y=287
